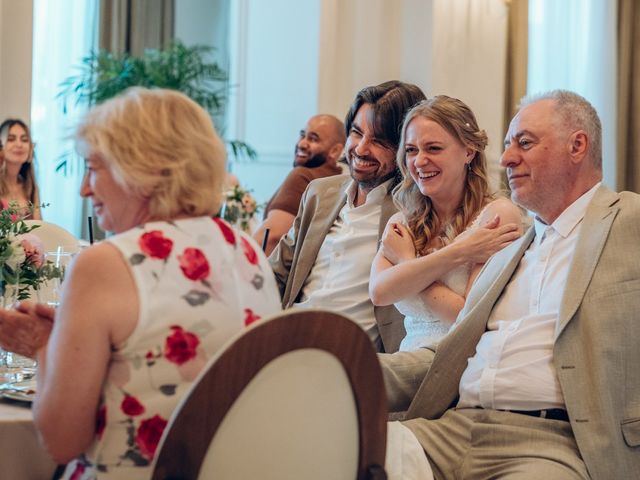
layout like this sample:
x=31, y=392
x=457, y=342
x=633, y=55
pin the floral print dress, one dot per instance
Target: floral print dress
x=199, y=282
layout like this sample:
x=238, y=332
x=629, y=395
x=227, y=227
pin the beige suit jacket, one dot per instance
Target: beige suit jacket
x=295, y=255
x=597, y=348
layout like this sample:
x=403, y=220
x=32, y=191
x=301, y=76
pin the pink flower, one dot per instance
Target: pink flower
x=248, y=203
x=33, y=249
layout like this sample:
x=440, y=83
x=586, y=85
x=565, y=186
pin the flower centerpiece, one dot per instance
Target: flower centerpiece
x=22, y=265
x=240, y=207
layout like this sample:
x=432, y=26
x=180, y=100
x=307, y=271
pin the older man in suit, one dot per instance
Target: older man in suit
x=540, y=376
x=326, y=258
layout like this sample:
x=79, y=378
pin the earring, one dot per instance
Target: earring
x=469, y=166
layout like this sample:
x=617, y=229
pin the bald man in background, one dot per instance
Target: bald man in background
x=317, y=151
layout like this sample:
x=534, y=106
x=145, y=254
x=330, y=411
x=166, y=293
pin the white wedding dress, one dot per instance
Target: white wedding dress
x=423, y=327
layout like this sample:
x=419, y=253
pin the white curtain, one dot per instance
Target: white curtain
x=63, y=32
x=470, y=61
x=572, y=45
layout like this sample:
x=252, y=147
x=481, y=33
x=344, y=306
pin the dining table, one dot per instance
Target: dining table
x=21, y=455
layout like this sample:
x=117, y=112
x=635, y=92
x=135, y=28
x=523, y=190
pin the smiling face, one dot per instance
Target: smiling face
x=115, y=207
x=371, y=163
x=536, y=156
x=318, y=142
x=17, y=146
x=437, y=163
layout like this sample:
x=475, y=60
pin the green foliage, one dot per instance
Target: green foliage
x=103, y=75
x=21, y=263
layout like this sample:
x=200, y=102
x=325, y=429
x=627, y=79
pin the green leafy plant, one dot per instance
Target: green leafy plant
x=103, y=75
x=21, y=254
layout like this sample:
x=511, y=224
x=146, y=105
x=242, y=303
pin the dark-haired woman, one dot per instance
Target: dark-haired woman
x=17, y=176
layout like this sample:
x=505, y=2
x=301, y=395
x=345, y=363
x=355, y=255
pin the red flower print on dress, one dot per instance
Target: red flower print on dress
x=155, y=245
x=101, y=420
x=180, y=346
x=250, y=317
x=249, y=251
x=227, y=231
x=78, y=471
x=131, y=406
x=149, y=434
x=194, y=264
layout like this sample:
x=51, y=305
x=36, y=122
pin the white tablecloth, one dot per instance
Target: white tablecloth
x=21, y=456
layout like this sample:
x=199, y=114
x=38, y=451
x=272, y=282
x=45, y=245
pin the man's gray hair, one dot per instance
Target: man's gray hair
x=576, y=113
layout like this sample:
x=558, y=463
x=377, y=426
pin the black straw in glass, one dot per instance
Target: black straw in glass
x=265, y=239
x=90, y=221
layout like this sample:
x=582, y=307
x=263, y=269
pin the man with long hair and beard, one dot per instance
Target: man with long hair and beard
x=325, y=260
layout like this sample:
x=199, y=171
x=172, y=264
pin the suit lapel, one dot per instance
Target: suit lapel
x=597, y=222
x=440, y=387
x=323, y=217
x=388, y=209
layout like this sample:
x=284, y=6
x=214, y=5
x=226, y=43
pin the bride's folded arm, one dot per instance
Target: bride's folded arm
x=391, y=282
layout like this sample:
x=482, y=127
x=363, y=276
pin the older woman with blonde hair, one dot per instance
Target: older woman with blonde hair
x=141, y=312
x=448, y=223
x=17, y=173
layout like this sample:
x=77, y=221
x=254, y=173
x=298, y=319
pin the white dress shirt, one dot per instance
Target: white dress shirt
x=339, y=279
x=512, y=368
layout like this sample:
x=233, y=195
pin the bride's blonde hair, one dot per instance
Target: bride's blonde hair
x=422, y=220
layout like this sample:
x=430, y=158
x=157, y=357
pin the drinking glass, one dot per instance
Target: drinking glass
x=51, y=290
x=14, y=367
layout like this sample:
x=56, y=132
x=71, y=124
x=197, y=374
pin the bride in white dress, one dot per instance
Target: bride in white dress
x=448, y=223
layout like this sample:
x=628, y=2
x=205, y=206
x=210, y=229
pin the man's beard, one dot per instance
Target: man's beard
x=313, y=161
x=370, y=183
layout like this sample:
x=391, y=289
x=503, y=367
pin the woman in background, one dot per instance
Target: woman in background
x=448, y=223
x=143, y=311
x=17, y=173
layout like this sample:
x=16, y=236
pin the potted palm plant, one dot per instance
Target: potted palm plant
x=103, y=75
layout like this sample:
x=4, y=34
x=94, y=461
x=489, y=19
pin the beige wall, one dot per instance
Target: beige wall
x=452, y=47
x=469, y=62
x=367, y=42
x=16, y=32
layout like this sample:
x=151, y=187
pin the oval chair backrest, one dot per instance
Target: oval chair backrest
x=297, y=396
x=54, y=236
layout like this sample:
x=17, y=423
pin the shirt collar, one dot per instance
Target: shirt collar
x=570, y=217
x=374, y=196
